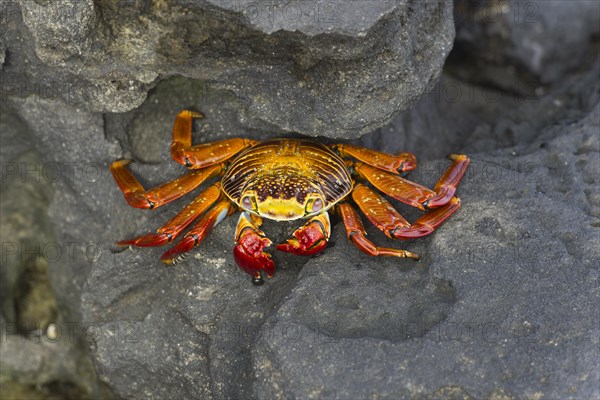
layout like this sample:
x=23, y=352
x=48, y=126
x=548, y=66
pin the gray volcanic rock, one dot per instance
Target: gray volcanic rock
x=503, y=301
x=312, y=19
x=504, y=286
x=540, y=41
x=125, y=313
x=503, y=304
x=182, y=331
x=37, y=361
x=334, y=69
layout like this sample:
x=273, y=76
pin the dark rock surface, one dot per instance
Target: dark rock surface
x=333, y=68
x=542, y=41
x=42, y=351
x=504, y=303
x=504, y=298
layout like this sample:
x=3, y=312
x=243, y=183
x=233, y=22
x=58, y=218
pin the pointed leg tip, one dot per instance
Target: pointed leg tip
x=121, y=162
x=400, y=253
x=171, y=260
x=459, y=157
x=195, y=114
x=258, y=281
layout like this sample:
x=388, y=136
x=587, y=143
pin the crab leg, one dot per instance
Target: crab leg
x=138, y=197
x=197, y=234
x=428, y=222
x=310, y=238
x=248, y=252
x=412, y=193
x=381, y=214
x=356, y=233
x=203, y=155
x=395, y=186
x=392, y=163
x=378, y=210
x=446, y=186
x=172, y=229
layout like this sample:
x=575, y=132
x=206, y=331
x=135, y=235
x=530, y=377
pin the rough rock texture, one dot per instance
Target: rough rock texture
x=333, y=68
x=503, y=299
x=539, y=40
x=43, y=353
x=503, y=305
x=503, y=287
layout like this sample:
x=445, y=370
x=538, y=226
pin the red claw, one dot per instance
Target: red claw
x=308, y=240
x=250, y=256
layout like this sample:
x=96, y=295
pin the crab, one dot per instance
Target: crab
x=285, y=180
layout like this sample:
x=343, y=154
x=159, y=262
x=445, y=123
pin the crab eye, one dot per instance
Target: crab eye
x=247, y=202
x=317, y=205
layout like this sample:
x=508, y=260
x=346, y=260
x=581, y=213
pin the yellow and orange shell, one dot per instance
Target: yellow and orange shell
x=285, y=171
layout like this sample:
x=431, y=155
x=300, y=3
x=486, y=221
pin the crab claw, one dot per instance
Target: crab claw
x=251, y=258
x=248, y=252
x=309, y=239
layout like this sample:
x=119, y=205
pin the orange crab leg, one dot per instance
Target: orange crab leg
x=203, y=155
x=356, y=233
x=446, y=186
x=395, y=186
x=412, y=193
x=392, y=163
x=381, y=214
x=172, y=229
x=428, y=222
x=138, y=197
x=378, y=210
x=310, y=238
x=197, y=234
x=248, y=252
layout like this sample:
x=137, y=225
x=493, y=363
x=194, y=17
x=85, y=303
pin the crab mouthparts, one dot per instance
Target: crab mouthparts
x=281, y=209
